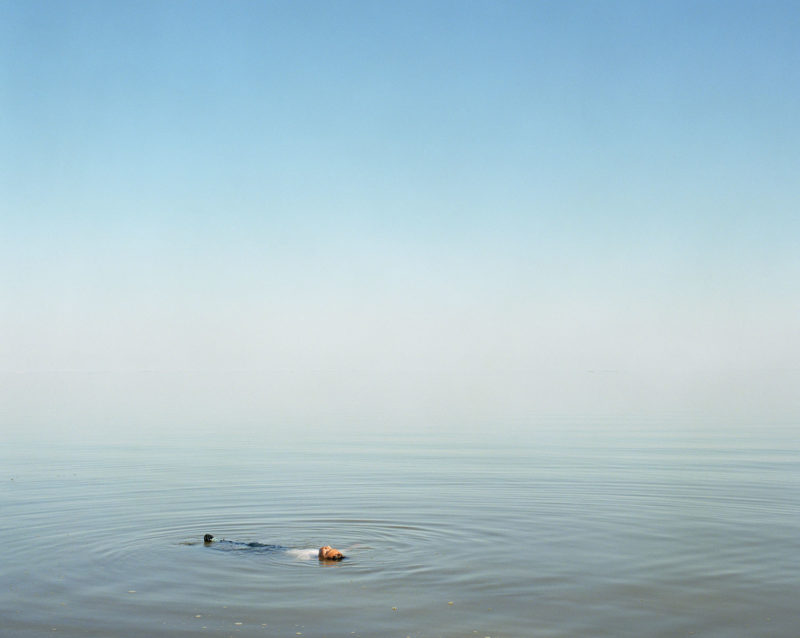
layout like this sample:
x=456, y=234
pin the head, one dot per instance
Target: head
x=329, y=553
x=208, y=538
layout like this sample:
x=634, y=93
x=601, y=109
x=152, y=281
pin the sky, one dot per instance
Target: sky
x=383, y=216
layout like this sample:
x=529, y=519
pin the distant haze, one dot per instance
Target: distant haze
x=314, y=217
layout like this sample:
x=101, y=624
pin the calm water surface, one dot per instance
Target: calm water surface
x=584, y=536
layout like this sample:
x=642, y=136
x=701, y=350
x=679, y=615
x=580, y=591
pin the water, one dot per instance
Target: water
x=445, y=536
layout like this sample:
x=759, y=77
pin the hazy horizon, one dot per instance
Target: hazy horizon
x=364, y=217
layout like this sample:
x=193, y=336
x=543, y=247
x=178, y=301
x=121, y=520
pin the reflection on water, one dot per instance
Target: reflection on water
x=582, y=537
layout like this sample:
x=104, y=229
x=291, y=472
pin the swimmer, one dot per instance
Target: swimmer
x=325, y=553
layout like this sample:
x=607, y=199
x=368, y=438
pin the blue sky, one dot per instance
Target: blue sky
x=429, y=214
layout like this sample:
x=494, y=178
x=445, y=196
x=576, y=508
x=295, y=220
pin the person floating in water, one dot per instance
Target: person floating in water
x=325, y=553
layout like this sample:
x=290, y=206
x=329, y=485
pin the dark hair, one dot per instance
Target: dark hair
x=208, y=538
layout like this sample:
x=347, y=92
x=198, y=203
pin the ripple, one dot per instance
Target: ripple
x=120, y=545
x=369, y=544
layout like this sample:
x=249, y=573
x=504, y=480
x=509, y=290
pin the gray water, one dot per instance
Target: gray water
x=579, y=535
